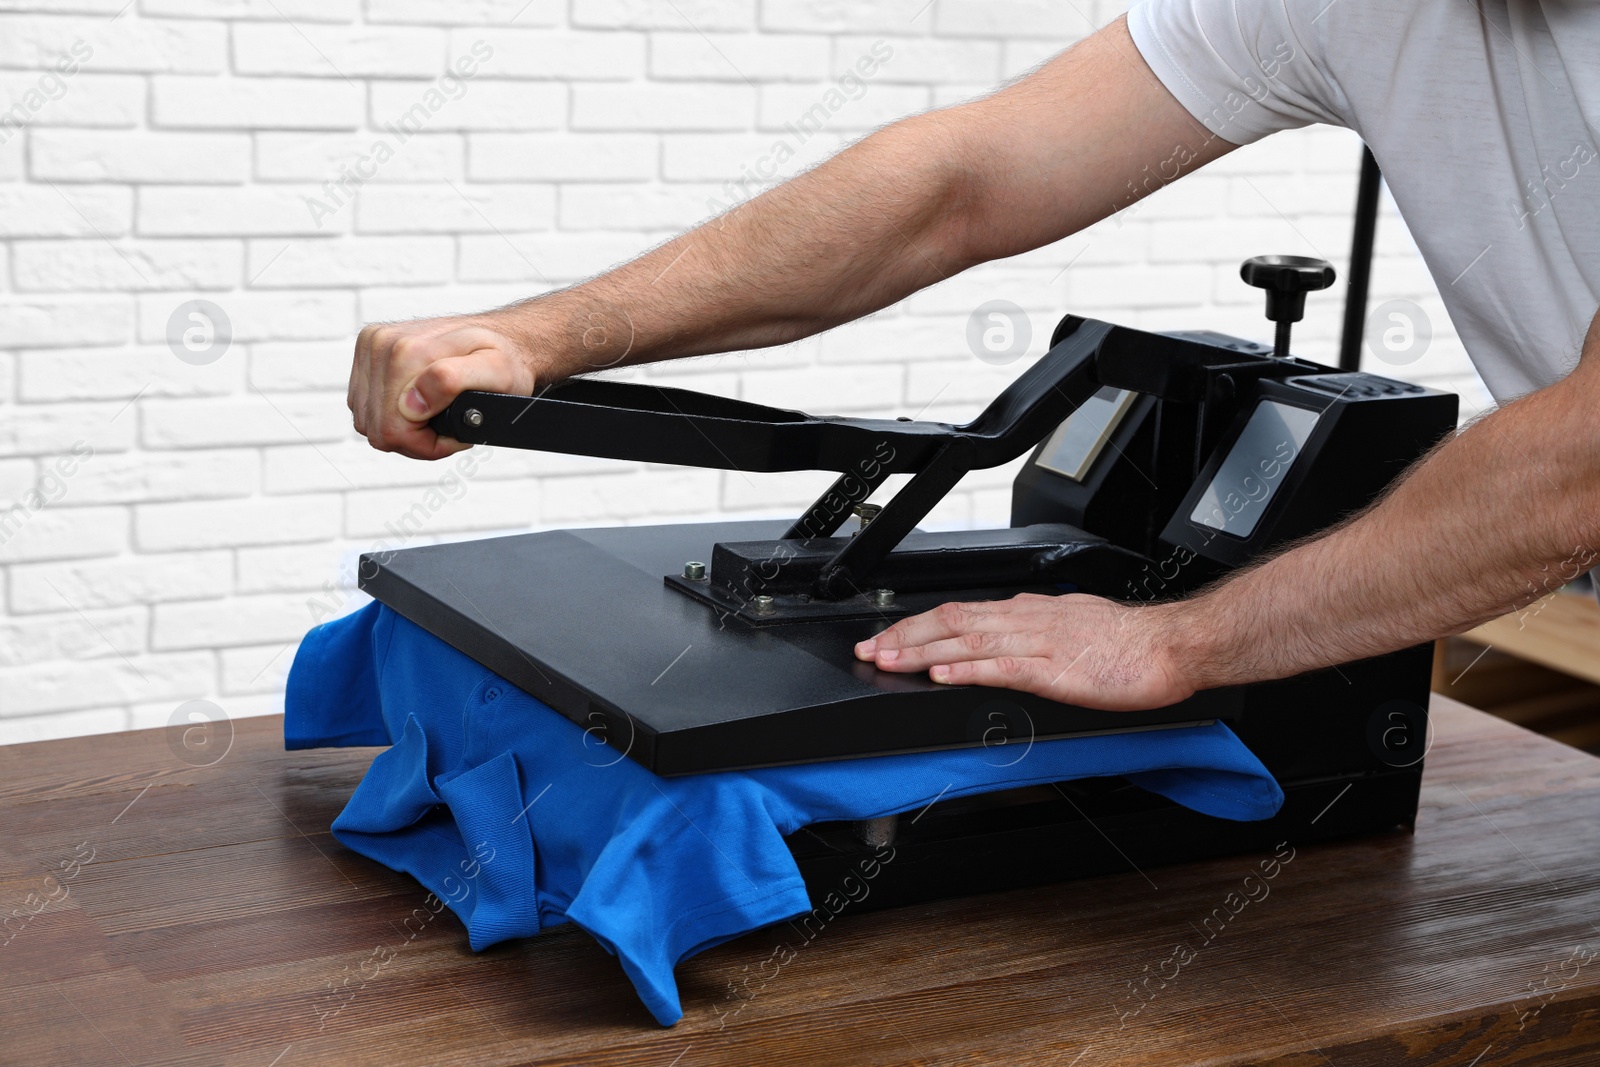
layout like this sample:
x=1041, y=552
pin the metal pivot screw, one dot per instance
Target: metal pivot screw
x=763, y=604
x=866, y=513
x=883, y=598
x=695, y=571
x=473, y=417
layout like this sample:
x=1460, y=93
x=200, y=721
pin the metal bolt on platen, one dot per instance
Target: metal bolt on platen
x=473, y=417
x=866, y=513
x=763, y=604
x=694, y=570
x=883, y=598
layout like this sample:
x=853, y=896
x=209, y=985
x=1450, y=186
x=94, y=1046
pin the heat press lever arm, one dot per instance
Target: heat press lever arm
x=624, y=420
x=656, y=424
x=620, y=420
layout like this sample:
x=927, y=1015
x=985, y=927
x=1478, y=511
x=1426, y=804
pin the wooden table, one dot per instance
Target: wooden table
x=1561, y=631
x=204, y=915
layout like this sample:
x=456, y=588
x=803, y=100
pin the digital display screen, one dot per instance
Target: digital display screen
x=1082, y=436
x=1254, y=467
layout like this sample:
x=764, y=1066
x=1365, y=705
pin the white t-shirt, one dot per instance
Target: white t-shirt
x=1483, y=115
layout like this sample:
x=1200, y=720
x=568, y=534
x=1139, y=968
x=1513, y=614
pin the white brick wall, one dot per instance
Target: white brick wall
x=174, y=528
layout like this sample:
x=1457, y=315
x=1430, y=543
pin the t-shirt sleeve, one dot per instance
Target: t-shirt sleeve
x=1244, y=68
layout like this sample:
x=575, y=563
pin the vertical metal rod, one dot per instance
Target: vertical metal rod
x=1360, y=277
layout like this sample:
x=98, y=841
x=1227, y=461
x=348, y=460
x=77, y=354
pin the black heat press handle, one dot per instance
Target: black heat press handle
x=624, y=420
x=659, y=424
x=650, y=423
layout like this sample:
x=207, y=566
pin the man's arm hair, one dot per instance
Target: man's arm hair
x=1085, y=135
x=1088, y=133
x=1497, y=517
x=1501, y=515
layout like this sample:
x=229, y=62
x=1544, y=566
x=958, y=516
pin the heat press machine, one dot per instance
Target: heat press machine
x=1160, y=462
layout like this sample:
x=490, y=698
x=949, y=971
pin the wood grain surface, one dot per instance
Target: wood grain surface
x=162, y=912
x=1561, y=631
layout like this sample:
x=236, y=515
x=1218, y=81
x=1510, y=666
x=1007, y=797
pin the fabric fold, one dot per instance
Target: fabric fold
x=506, y=903
x=328, y=699
x=395, y=792
x=725, y=886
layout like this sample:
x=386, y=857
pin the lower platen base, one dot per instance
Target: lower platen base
x=1074, y=830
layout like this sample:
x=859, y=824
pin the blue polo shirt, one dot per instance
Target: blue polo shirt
x=518, y=820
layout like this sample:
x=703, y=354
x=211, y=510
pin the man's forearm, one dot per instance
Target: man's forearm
x=1501, y=515
x=917, y=202
x=1498, y=517
x=824, y=248
x=1086, y=134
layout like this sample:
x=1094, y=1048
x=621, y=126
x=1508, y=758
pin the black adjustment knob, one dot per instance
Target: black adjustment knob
x=1287, y=280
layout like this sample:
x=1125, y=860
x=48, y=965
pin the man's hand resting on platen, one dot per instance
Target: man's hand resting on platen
x=1076, y=649
x=1476, y=529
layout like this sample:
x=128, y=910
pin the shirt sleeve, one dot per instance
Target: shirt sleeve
x=1244, y=68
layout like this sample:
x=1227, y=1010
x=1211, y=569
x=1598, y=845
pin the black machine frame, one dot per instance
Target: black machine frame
x=774, y=615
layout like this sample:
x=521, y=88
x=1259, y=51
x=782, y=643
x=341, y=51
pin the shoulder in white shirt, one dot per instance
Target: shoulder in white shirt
x=1484, y=117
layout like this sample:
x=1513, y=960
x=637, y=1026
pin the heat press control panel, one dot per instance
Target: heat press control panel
x=1220, y=448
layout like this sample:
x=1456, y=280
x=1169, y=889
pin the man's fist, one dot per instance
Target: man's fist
x=405, y=373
